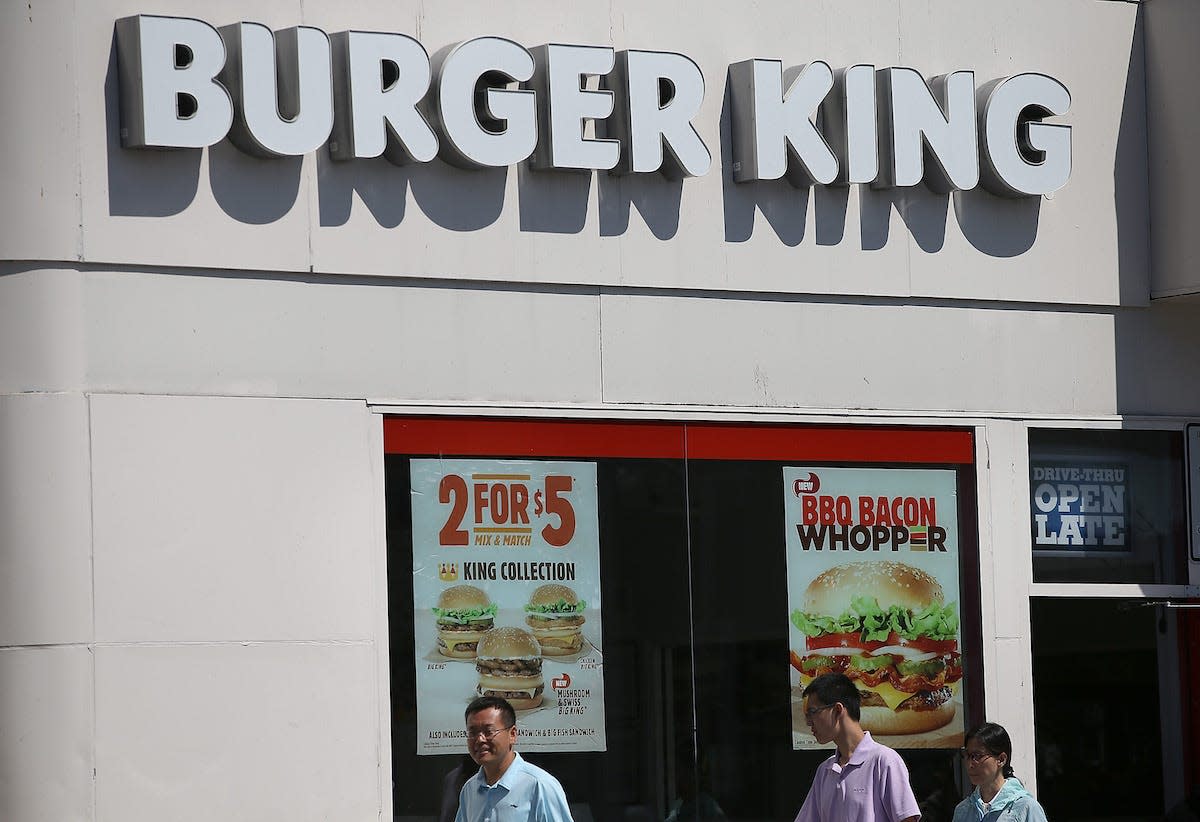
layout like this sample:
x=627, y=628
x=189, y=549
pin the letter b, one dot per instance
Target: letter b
x=169, y=95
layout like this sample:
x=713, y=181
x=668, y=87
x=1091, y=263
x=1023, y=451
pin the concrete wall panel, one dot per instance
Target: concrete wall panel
x=39, y=132
x=41, y=329
x=333, y=338
x=790, y=353
x=46, y=718
x=45, y=520
x=997, y=247
x=240, y=733
x=1156, y=351
x=1173, y=130
x=232, y=519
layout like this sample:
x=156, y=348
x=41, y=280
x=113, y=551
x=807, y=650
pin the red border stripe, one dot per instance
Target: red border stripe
x=534, y=438
x=863, y=443
x=665, y=440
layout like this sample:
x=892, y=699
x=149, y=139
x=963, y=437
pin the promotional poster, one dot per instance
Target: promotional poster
x=873, y=593
x=506, y=589
x=1079, y=508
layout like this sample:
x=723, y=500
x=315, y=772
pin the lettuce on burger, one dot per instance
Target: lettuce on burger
x=885, y=625
x=463, y=613
x=555, y=615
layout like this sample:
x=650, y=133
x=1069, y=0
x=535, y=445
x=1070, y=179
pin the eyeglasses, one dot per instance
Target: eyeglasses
x=809, y=713
x=975, y=757
x=488, y=734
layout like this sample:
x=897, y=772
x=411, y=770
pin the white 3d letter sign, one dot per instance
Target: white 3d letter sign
x=656, y=129
x=1024, y=155
x=378, y=81
x=284, y=112
x=490, y=102
x=564, y=106
x=505, y=130
x=173, y=99
x=775, y=132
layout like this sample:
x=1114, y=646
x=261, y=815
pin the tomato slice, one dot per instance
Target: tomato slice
x=853, y=640
x=847, y=640
x=926, y=645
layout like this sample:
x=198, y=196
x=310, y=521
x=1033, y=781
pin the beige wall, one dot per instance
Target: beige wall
x=193, y=608
x=235, y=333
x=1173, y=128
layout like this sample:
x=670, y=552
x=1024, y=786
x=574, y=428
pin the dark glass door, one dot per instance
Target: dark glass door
x=1107, y=710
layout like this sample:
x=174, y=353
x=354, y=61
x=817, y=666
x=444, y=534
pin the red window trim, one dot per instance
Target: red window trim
x=510, y=437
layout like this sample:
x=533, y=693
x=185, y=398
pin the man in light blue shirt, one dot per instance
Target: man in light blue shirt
x=506, y=788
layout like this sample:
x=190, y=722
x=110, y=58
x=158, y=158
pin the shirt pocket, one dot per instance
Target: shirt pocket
x=859, y=802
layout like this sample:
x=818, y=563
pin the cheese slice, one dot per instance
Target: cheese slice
x=886, y=692
x=890, y=695
x=529, y=693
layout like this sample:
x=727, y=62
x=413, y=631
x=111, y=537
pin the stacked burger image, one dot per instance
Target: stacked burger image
x=463, y=613
x=508, y=659
x=887, y=627
x=555, y=614
x=510, y=666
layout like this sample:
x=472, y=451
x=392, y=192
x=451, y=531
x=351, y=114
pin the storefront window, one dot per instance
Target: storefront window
x=645, y=648
x=1108, y=506
x=691, y=627
x=740, y=571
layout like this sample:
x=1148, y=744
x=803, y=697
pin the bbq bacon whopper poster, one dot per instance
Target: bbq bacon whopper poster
x=873, y=592
x=506, y=592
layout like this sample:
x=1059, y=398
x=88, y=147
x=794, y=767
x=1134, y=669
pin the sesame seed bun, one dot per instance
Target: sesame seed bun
x=892, y=583
x=463, y=597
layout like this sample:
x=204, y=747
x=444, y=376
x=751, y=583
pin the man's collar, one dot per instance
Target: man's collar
x=864, y=746
x=512, y=770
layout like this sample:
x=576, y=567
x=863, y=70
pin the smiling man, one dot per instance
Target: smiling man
x=506, y=788
x=864, y=781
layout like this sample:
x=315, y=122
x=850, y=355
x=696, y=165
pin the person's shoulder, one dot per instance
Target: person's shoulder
x=963, y=810
x=882, y=753
x=827, y=764
x=1026, y=806
x=536, y=773
x=472, y=784
x=870, y=746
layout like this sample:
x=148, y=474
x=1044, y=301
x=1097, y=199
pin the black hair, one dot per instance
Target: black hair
x=995, y=741
x=831, y=688
x=507, y=715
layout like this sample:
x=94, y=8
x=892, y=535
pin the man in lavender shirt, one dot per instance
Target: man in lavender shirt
x=864, y=781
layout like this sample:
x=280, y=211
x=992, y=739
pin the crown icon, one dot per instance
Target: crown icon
x=448, y=571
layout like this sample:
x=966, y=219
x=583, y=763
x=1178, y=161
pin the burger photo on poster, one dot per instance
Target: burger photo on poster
x=509, y=663
x=463, y=613
x=555, y=616
x=887, y=626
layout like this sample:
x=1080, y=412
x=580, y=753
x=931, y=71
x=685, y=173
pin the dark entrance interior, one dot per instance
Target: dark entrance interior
x=1101, y=668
